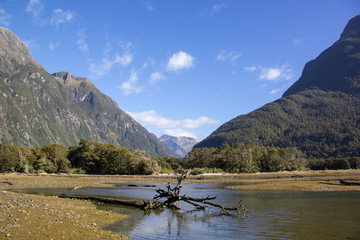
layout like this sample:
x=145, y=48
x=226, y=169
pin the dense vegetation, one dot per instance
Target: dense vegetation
x=89, y=157
x=98, y=158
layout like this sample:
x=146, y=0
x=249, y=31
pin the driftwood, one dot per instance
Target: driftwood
x=172, y=196
x=349, y=183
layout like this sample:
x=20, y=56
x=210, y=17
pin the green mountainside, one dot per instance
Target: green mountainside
x=37, y=108
x=319, y=114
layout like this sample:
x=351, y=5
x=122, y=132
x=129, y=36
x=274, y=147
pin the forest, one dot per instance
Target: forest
x=91, y=157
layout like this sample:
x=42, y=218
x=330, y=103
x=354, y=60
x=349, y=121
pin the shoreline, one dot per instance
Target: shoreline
x=249, y=181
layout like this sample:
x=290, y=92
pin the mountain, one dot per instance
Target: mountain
x=178, y=145
x=37, y=108
x=319, y=114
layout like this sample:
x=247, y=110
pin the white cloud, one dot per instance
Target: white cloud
x=274, y=91
x=228, y=56
x=276, y=73
x=130, y=86
x=179, y=132
x=180, y=60
x=155, y=77
x=4, y=18
x=172, y=127
x=81, y=42
x=273, y=74
x=60, y=17
x=35, y=7
x=124, y=59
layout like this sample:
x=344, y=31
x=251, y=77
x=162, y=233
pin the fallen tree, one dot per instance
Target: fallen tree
x=172, y=196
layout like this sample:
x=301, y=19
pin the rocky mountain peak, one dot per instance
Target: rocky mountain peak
x=351, y=29
x=179, y=145
x=12, y=49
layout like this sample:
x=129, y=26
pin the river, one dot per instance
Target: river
x=271, y=214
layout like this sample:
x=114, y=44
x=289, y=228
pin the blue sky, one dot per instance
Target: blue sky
x=180, y=67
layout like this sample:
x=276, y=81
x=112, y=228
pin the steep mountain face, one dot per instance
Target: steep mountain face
x=178, y=145
x=319, y=114
x=37, y=108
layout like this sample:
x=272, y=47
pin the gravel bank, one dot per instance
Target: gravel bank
x=25, y=216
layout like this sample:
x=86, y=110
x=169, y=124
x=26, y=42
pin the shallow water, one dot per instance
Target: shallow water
x=272, y=214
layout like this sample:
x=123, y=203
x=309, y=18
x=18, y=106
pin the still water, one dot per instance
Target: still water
x=271, y=214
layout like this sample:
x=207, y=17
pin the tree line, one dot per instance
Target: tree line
x=92, y=157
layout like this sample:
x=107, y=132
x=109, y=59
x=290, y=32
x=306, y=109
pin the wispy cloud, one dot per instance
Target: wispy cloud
x=131, y=85
x=172, y=127
x=81, y=42
x=35, y=7
x=296, y=41
x=4, y=18
x=52, y=45
x=250, y=68
x=179, y=61
x=228, y=56
x=108, y=62
x=31, y=44
x=209, y=12
x=274, y=91
x=275, y=74
x=148, y=6
x=155, y=77
x=104, y=67
x=60, y=16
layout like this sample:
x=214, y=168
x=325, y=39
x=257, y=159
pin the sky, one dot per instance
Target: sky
x=181, y=68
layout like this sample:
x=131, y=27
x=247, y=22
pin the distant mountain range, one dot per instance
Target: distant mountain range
x=319, y=114
x=178, y=145
x=37, y=108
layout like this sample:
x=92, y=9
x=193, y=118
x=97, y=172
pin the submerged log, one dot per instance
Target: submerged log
x=349, y=183
x=143, y=205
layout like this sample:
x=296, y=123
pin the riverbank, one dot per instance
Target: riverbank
x=325, y=180
x=24, y=216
